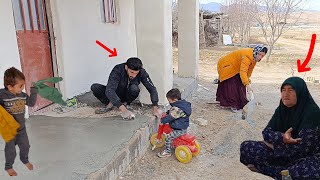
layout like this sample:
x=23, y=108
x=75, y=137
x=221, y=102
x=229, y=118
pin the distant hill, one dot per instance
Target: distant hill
x=216, y=7
x=213, y=7
x=311, y=10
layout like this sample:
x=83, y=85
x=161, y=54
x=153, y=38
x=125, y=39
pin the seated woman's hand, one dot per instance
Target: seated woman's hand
x=287, y=137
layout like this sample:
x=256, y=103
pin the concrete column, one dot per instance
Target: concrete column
x=188, y=37
x=154, y=44
x=202, y=35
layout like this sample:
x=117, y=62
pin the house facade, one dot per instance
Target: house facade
x=46, y=38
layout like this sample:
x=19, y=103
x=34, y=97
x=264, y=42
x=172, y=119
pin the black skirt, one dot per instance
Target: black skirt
x=232, y=93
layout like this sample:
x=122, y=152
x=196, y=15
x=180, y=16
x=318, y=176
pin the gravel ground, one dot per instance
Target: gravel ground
x=221, y=138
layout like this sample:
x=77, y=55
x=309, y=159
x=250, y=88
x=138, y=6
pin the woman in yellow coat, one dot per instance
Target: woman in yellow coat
x=234, y=70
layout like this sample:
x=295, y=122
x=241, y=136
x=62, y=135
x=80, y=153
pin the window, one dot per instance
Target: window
x=108, y=11
x=29, y=15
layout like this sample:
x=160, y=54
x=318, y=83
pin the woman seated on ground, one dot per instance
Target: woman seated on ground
x=234, y=71
x=291, y=138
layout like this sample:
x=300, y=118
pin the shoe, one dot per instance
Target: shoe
x=234, y=110
x=252, y=168
x=243, y=115
x=103, y=110
x=129, y=107
x=163, y=154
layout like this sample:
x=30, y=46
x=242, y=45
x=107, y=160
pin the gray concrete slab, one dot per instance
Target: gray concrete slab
x=79, y=148
x=65, y=148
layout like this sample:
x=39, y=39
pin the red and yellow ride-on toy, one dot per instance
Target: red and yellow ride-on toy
x=185, y=146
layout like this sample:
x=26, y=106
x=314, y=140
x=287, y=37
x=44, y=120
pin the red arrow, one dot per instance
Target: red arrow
x=112, y=53
x=302, y=67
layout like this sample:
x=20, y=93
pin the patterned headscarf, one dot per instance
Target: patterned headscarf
x=256, y=50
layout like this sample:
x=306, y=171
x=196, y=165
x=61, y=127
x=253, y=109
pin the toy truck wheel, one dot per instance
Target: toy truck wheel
x=198, y=147
x=183, y=154
x=154, y=141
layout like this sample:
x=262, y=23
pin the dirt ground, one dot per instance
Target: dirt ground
x=221, y=138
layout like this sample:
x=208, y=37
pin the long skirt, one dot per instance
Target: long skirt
x=232, y=93
x=262, y=157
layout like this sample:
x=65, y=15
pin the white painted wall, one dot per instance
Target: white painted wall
x=154, y=42
x=81, y=62
x=8, y=40
x=77, y=25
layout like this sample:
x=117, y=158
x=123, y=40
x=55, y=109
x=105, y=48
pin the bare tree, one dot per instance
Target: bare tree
x=272, y=17
x=240, y=18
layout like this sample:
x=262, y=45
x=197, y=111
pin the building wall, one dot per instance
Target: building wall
x=77, y=25
x=8, y=41
x=154, y=43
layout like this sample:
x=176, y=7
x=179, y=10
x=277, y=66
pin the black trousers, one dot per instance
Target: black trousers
x=129, y=95
x=22, y=141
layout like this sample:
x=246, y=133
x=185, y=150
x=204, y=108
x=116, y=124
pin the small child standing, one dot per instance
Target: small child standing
x=14, y=100
x=177, y=117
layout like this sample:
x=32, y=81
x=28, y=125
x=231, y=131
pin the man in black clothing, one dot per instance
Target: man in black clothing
x=122, y=87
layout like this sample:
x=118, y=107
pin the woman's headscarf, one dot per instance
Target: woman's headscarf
x=257, y=49
x=305, y=114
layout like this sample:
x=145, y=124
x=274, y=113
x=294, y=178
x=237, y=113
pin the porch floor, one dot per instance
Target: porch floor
x=90, y=147
x=72, y=148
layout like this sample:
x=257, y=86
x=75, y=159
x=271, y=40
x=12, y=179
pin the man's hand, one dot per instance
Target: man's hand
x=128, y=115
x=268, y=144
x=156, y=112
x=287, y=137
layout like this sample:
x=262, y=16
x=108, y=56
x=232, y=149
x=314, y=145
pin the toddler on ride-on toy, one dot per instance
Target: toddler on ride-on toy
x=175, y=123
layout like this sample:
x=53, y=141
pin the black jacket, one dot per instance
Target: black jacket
x=178, y=115
x=118, y=85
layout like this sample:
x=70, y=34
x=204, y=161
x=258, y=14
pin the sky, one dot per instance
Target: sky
x=311, y=4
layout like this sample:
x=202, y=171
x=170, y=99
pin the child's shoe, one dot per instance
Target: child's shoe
x=163, y=154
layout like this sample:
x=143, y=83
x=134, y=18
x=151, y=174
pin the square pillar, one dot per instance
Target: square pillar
x=188, y=38
x=154, y=44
